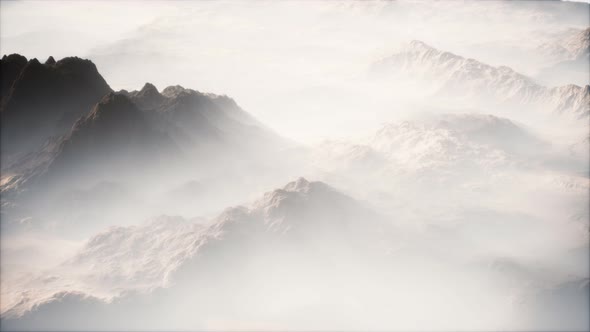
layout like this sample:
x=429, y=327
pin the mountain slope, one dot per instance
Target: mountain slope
x=116, y=133
x=438, y=143
x=10, y=67
x=571, y=45
x=114, y=140
x=43, y=100
x=145, y=141
x=451, y=75
x=288, y=232
x=568, y=54
x=126, y=136
x=302, y=251
x=204, y=121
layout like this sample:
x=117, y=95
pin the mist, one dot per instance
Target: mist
x=295, y=165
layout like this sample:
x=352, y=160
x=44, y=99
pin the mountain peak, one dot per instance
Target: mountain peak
x=148, y=97
x=291, y=191
x=299, y=185
x=300, y=188
x=15, y=57
x=50, y=61
x=82, y=67
x=149, y=88
x=173, y=91
x=10, y=67
x=111, y=108
x=44, y=100
x=418, y=45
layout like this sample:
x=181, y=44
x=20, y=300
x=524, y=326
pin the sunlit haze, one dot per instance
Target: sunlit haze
x=295, y=165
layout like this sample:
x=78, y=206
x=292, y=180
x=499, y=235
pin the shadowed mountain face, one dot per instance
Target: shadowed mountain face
x=10, y=68
x=144, y=139
x=43, y=100
x=201, y=122
x=114, y=140
x=145, y=133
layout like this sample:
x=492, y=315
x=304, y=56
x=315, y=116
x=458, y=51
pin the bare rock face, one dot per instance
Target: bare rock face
x=10, y=68
x=202, y=121
x=115, y=138
x=113, y=122
x=50, y=61
x=44, y=100
x=65, y=130
x=139, y=134
x=148, y=97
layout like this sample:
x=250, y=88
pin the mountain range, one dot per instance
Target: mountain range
x=123, y=265
x=454, y=76
x=303, y=250
x=100, y=135
x=437, y=216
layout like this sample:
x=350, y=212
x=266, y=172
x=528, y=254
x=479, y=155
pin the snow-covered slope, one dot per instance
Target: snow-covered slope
x=572, y=44
x=304, y=250
x=482, y=161
x=285, y=227
x=438, y=142
x=117, y=260
x=450, y=75
x=568, y=57
x=420, y=146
